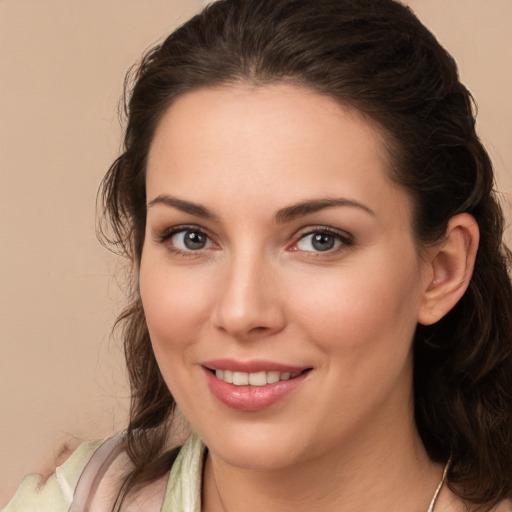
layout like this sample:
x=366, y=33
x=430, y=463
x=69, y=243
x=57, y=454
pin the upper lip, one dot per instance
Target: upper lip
x=254, y=366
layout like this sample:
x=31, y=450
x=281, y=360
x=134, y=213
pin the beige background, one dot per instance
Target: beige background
x=62, y=65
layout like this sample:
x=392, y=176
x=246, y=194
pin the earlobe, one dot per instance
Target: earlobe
x=451, y=267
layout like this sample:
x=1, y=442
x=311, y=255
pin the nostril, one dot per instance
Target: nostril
x=258, y=329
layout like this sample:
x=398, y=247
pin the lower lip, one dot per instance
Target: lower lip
x=252, y=398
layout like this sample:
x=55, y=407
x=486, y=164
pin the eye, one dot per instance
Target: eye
x=191, y=240
x=186, y=239
x=322, y=240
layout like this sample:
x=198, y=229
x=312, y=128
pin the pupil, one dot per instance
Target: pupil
x=194, y=240
x=323, y=242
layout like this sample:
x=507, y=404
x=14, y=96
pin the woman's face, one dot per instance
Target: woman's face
x=276, y=244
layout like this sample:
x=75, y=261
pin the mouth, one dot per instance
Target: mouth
x=252, y=386
x=261, y=378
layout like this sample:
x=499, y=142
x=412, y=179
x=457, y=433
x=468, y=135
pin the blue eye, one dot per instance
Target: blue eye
x=189, y=240
x=321, y=241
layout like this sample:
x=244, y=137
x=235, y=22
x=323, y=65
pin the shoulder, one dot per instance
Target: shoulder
x=178, y=487
x=54, y=494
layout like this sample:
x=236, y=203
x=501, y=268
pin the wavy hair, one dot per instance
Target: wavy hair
x=375, y=56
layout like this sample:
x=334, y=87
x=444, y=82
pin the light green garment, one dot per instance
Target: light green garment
x=183, y=493
x=56, y=494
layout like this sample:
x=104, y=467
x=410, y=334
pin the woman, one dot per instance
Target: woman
x=320, y=282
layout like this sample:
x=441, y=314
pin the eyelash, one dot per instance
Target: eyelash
x=345, y=240
x=165, y=237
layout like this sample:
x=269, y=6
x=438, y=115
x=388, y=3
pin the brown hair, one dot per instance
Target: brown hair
x=377, y=57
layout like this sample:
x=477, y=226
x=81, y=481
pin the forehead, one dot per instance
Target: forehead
x=240, y=118
x=232, y=139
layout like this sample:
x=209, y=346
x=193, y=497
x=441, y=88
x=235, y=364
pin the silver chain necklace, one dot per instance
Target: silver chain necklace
x=439, y=487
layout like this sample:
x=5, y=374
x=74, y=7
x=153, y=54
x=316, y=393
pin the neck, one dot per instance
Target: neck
x=394, y=474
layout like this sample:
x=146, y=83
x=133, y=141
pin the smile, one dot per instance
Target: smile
x=254, y=379
x=252, y=386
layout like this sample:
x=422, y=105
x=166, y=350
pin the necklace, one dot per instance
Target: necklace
x=441, y=483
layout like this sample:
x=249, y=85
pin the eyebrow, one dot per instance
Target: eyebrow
x=315, y=205
x=185, y=206
x=286, y=214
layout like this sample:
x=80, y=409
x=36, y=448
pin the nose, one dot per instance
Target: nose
x=249, y=303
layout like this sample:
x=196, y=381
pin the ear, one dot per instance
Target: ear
x=450, y=264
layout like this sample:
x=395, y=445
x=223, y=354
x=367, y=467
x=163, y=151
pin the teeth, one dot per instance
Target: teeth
x=272, y=377
x=254, y=379
x=240, y=378
x=258, y=379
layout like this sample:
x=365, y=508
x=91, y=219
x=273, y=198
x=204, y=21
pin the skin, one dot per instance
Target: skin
x=345, y=439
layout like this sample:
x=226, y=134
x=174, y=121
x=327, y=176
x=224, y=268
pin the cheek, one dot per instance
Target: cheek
x=357, y=310
x=175, y=304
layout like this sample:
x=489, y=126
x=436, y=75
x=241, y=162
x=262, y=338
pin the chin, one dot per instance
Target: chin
x=254, y=458
x=254, y=448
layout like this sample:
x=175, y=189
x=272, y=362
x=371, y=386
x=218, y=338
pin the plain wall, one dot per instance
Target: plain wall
x=62, y=66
